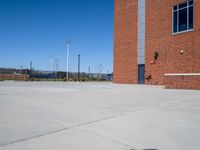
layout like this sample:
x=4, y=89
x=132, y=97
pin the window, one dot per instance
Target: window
x=183, y=17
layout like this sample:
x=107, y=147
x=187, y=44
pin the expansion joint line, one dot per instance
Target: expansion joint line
x=56, y=131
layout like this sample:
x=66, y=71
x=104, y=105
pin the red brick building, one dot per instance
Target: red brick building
x=157, y=42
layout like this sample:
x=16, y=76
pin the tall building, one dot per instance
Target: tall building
x=157, y=42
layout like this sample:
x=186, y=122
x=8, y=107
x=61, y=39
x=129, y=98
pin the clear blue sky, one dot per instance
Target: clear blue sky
x=34, y=30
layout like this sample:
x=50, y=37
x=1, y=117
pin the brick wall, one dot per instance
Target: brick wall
x=159, y=38
x=13, y=76
x=125, y=41
x=182, y=81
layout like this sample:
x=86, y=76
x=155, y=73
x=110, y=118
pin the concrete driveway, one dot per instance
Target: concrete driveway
x=97, y=116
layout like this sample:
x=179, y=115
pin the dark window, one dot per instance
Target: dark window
x=182, y=20
x=190, y=17
x=190, y=2
x=175, y=7
x=175, y=22
x=182, y=5
x=183, y=17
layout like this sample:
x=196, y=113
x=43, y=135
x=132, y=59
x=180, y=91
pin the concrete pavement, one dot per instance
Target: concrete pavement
x=100, y=116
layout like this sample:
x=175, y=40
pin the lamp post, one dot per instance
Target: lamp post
x=100, y=71
x=30, y=68
x=89, y=72
x=57, y=65
x=21, y=69
x=51, y=63
x=79, y=55
x=67, y=73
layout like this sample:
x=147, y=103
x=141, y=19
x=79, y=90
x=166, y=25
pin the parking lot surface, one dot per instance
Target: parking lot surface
x=97, y=116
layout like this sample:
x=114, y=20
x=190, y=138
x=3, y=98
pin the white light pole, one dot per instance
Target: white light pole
x=56, y=66
x=51, y=62
x=21, y=69
x=79, y=55
x=68, y=43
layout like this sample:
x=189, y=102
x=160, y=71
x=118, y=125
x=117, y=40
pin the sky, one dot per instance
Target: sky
x=36, y=30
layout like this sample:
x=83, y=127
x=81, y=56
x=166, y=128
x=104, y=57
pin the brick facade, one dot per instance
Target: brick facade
x=177, y=53
x=125, y=41
x=159, y=38
x=182, y=81
x=14, y=76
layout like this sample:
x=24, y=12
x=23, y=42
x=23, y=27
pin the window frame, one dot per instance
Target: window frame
x=177, y=10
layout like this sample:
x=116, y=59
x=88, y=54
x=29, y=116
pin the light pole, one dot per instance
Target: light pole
x=79, y=55
x=99, y=71
x=89, y=72
x=31, y=65
x=57, y=65
x=21, y=69
x=101, y=68
x=51, y=63
x=67, y=73
x=30, y=68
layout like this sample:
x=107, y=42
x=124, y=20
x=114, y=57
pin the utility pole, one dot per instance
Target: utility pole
x=51, y=62
x=108, y=76
x=89, y=72
x=100, y=71
x=57, y=65
x=101, y=68
x=21, y=69
x=30, y=67
x=67, y=73
x=79, y=55
x=51, y=65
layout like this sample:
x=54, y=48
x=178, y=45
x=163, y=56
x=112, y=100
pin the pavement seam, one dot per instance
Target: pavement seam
x=112, y=140
x=55, y=131
x=75, y=126
x=83, y=124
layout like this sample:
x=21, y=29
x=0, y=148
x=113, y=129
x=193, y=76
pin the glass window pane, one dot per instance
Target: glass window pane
x=191, y=2
x=183, y=5
x=175, y=22
x=182, y=20
x=175, y=7
x=191, y=17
